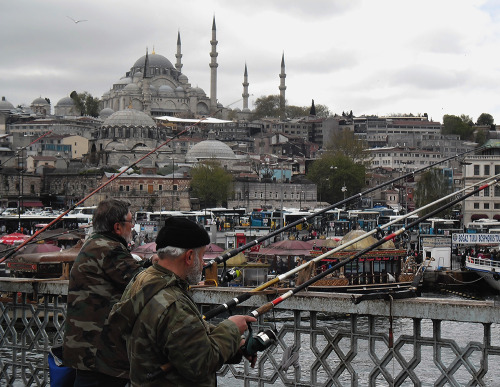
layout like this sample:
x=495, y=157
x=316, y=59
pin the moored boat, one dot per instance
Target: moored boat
x=487, y=268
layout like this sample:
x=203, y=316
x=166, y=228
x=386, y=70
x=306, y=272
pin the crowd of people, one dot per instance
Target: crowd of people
x=131, y=321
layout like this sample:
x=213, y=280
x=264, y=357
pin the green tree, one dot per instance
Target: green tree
x=211, y=183
x=267, y=106
x=463, y=126
x=334, y=170
x=85, y=103
x=431, y=187
x=348, y=144
x=485, y=119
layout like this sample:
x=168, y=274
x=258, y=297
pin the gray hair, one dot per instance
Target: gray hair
x=174, y=252
x=109, y=212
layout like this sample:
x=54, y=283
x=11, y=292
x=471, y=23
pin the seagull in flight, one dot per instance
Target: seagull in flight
x=76, y=21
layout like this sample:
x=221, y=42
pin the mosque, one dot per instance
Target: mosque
x=159, y=88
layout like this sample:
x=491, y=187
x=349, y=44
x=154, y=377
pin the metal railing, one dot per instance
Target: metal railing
x=484, y=262
x=324, y=339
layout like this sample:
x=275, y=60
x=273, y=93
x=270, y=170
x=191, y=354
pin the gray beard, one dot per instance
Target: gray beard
x=195, y=272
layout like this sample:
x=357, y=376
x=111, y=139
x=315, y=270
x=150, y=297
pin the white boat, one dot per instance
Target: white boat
x=489, y=269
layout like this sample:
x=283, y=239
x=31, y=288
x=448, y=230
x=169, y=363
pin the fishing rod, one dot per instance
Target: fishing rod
x=268, y=306
x=75, y=231
x=25, y=147
x=114, y=177
x=224, y=257
x=245, y=296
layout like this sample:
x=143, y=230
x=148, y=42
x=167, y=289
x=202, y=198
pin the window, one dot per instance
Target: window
x=121, y=188
x=476, y=170
x=175, y=187
x=160, y=187
x=496, y=206
x=486, y=170
x=486, y=192
x=497, y=169
x=141, y=187
x=497, y=190
x=127, y=188
x=476, y=206
x=486, y=206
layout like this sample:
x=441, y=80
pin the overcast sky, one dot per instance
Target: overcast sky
x=369, y=56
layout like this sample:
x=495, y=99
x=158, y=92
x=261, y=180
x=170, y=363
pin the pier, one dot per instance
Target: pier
x=324, y=339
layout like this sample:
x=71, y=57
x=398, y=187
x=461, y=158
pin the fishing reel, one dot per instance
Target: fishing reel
x=258, y=343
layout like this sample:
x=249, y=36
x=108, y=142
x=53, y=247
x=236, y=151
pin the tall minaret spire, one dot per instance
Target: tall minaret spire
x=213, y=69
x=178, y=64
x=282, y=87
x=146, y=65
x=146, y=91
x=245, y=94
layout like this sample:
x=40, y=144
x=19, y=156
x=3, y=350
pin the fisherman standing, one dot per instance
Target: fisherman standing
x=168, y=341
x=100, y=274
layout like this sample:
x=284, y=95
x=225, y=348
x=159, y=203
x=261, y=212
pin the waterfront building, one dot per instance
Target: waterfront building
x=484, y=204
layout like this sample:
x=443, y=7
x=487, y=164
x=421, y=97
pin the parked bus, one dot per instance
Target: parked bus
x=482, y=226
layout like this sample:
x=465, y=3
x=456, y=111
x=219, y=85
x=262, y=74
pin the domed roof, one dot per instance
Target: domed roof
x=105, y=113
x=138, y=74
x=365, y=242
x=66, y=101
x=129, y=117
x=179, y=88
x=209, y=149
x=39, y=101
x=183, y=78
x=165, y=89
x=5, y=105
x=116, y=145
x=132, y=87
x=155, y=60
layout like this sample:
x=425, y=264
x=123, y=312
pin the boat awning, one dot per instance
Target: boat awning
x=478, y=216
x=32, y=204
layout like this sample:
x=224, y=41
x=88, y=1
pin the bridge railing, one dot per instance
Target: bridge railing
x=324, y=339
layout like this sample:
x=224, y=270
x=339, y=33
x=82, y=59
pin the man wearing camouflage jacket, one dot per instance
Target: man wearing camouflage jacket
x=168, y=342
x=100, y=274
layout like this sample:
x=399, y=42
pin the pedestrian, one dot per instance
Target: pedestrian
x=168, y=341
x=100, y=274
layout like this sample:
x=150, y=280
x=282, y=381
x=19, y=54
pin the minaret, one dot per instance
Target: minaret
x=213, y=69
x=178, y=65
x=245, y=94
x=312, y=111
x=146, y=92
x=282, y=87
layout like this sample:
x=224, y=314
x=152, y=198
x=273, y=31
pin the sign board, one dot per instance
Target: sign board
x=437, y=241
x=475, y=239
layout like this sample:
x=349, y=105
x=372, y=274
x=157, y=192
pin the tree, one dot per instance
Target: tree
x=334, y=170
x=211, y=183
x=485, y=119
x=431, y=187
x=346, y=143
x=463, y=126
x=267, y=106
x=85, y=103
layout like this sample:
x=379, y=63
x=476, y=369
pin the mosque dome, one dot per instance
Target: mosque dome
x=154, y=60
x=183, y=78
x=132, y=87
x=66, y=101
x=138, y=74
x=40, y=101
x=129, y=117
x=166, y=90
x=210, y=149
x=5, y=105
x=105, y=113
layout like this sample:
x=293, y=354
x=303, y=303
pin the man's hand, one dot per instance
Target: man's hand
x=242, y=321
x=252, y=359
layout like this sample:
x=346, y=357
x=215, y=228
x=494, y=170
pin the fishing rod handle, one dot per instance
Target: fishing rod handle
x=228, y=305
x=262, y=309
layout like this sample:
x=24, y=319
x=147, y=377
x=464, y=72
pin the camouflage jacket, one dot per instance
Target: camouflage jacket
x=162, y=325
x=100, y=274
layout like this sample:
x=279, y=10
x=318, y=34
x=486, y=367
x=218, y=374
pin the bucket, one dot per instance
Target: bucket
x=60, y=375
